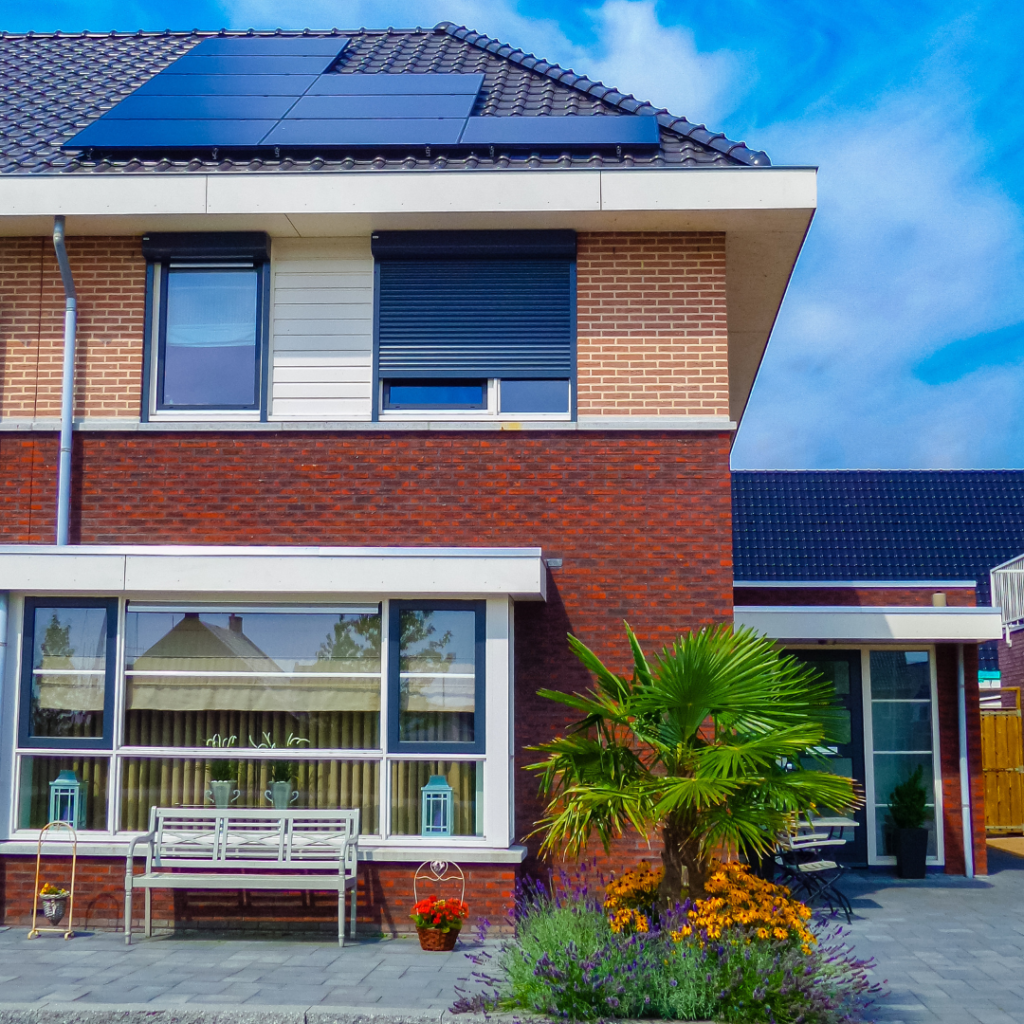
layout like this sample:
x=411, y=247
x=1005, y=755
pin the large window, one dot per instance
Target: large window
x=475, y=323
x=252, y=707
x=206, y=335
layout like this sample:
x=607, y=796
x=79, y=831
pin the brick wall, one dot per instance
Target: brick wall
x=110, y=279
x=651, y=324
x=949, y=758
x=872, y=597
x=642, y=522
x=1011, y=660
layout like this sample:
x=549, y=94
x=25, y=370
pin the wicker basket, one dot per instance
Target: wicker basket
x=433, y=940
x=54, y=908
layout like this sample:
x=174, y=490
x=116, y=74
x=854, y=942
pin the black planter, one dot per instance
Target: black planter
x=911, y=851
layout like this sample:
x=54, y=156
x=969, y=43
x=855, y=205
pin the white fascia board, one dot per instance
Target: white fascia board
x=853, y=584
x=865, y=625
x=518, y=573
x=318, y=203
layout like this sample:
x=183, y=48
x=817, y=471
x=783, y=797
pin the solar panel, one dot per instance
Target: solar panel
x=224, y=85
x=138, y=135
x=271, y=46
x=561, y=131
x=421, y=131
x=202, y=108
x=383, y=84
x=402, y=107
x=252, y=64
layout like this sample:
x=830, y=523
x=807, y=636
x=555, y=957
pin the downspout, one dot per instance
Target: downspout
x=965, y=777
x=67, y=387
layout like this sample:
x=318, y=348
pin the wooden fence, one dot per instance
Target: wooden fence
x=1002, y=760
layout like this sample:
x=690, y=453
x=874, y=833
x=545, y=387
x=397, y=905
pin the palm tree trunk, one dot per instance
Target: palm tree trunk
x=682, y=855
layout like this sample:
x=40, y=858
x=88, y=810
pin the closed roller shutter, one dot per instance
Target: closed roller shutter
x=504, y=311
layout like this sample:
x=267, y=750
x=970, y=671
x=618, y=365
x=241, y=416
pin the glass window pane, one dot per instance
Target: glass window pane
x=407, y=781
x=209, y=354
x=437, y=676
x=89, y=800
x=534, y=396
x=435, y=394
x=301, y=785
x=68, y=672
x=900, y=675
x=902, y=725
x=251, y=679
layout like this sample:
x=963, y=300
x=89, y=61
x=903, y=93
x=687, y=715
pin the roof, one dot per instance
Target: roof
x=53, y=85
x=843, y=525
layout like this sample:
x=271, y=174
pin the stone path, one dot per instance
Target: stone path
x=951, y=949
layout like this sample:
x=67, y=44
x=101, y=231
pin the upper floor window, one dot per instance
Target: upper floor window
x=206, y=332
x=475, y=323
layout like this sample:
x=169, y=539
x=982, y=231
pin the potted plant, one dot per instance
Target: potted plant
x=280, y=793
x=438, y=922
x=55, y=902
x=223, y=774
x=908, y=813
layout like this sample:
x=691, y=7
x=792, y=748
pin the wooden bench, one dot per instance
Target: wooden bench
x=211, y=848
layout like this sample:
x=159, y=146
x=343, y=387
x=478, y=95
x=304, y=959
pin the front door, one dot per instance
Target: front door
x=846, y=757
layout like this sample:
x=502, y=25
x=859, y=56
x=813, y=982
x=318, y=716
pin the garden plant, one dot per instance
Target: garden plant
x=708, y=744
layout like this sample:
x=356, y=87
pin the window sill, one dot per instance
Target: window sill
x=469, y=852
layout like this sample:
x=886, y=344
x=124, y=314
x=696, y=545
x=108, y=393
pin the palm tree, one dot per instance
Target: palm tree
x=709, y=744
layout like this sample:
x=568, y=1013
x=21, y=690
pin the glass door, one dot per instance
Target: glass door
x=845, y=755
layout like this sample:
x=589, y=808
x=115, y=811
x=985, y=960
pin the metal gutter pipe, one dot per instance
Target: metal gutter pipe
x=965, y=778
x=4, y=598
x=67, y=387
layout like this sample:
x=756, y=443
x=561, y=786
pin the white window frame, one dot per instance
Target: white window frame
x=495, y=808
x=492, y=412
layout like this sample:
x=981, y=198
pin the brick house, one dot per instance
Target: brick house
x=398, y=355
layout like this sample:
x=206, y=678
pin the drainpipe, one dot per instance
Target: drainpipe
x=965, y=778
x=67, y=388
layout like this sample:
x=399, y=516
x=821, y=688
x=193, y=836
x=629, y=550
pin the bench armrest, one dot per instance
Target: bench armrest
x=348, y=841
x=147, y=839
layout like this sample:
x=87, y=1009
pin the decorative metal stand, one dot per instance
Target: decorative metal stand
x=437, y=872
x=68, y=932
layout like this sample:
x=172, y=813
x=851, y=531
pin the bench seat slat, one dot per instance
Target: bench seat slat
x=212, y=880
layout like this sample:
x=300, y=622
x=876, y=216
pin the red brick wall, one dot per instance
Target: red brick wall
x=1011, y=660
x=874, y=597
x=642, y=522
x=384, y=899
x=949, y=747
x=110, y=279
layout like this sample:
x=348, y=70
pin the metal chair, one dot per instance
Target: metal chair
x=806, y=871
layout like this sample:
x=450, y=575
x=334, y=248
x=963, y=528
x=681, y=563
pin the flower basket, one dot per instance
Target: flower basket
x=433, y=940
x=54, y=908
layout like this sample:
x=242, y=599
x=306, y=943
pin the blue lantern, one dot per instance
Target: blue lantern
x=67, y=801
x=436, y=807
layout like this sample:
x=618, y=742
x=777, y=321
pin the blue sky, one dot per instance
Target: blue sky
x=901, y=341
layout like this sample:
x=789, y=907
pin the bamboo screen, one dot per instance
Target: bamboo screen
x=185, y=782
x=38, y=772
x=409, y=777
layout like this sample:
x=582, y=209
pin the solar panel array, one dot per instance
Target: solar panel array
x=254, y=93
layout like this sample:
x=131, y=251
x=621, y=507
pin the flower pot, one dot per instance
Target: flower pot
x=911, y=851
x=54, y=908
x=433, y=940
x=281, y=795
x=223, y=794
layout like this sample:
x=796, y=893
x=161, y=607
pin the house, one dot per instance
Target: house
x=881, y=579
x=397, y=356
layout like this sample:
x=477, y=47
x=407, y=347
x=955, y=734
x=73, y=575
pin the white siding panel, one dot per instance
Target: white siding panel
x=322, y=329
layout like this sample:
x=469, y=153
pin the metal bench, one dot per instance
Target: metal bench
x=211, y=848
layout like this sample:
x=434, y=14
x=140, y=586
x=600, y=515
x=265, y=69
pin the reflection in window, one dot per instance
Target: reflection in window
x=36, y=775
x=209, y=351
x=901, y=734
x=188, y=782
x=250, y=678
x=69, y=672
x=407, y=781
x=437, y=676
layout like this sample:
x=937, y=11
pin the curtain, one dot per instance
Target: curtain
x=409, y=777
x=38, y=772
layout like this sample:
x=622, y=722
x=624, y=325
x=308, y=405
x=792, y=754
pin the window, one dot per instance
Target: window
x=480, y=322
x=253, y=706
x=207, y=298
x=68, y=663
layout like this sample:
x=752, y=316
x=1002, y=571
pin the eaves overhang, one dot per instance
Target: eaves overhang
x=871, y=625
x=270, y=573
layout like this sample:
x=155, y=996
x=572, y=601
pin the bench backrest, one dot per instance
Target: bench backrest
x=216, y=838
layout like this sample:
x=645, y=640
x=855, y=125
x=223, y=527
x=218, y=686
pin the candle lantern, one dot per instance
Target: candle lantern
x=436, y=807
x=67, y=801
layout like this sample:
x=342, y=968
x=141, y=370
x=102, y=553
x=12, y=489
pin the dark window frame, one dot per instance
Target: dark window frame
x=398, y=746
x=25, y=739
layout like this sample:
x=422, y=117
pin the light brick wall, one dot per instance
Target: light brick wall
x=110, y=278
x=651, y=324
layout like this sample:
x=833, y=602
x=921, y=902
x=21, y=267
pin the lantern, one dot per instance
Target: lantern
x=67, y=801
x=436, y=807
